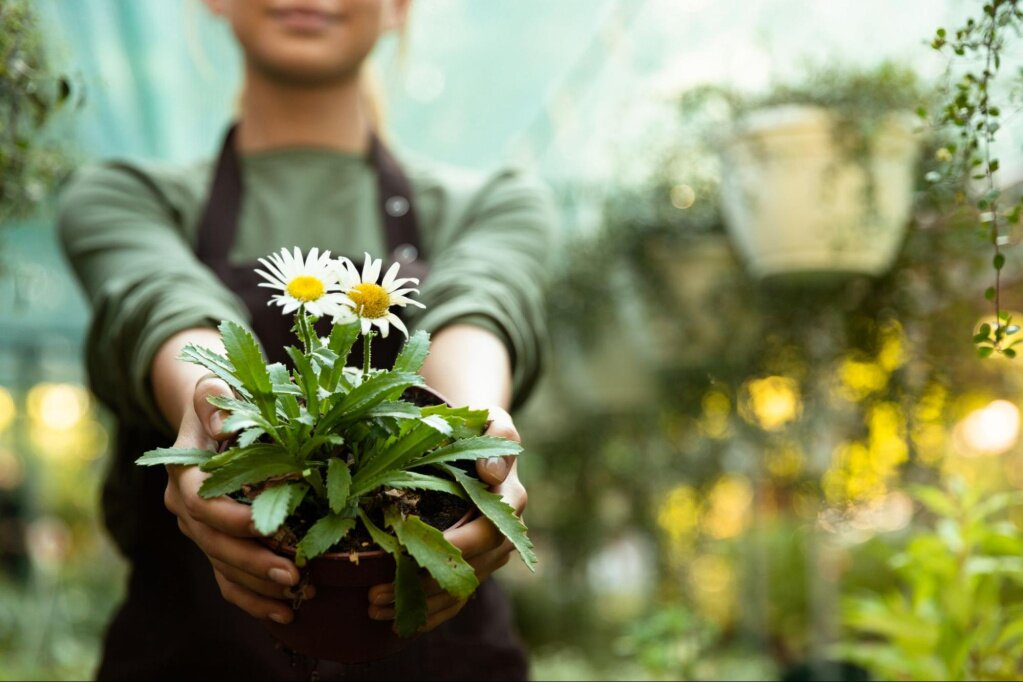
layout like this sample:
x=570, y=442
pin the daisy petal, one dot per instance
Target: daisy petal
x=398, y=324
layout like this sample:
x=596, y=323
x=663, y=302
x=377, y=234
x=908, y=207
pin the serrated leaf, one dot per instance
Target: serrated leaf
x=478, y=447
x=364, y=397
x=409, y=597
x=499, y=512
x=271, y=507
x=433, y=552
x=395, y=455
x=465, y=422
x=394, y=408
x=308, y=380
x=214, y=362
x=182, y=456
x=413, y=353
x=249, y=436
x=251, y=468
x=342, y=338
x=411, y=480
x=339, y=483
x=386, y=542
x=249, y=365
x=323, y=535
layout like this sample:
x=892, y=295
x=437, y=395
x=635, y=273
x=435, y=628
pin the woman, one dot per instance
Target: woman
x=164, y=254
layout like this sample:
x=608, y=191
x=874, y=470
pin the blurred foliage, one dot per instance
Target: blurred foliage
x=956, y=612
x=31, y=95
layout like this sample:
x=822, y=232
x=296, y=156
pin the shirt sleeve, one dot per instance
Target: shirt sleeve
x=125, y=242
x=492, y=273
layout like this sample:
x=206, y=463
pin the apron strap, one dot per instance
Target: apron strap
x=219, y=224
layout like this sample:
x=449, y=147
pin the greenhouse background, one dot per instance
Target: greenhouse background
x=728, y=479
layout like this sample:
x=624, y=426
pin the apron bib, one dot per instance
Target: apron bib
x=174, y=623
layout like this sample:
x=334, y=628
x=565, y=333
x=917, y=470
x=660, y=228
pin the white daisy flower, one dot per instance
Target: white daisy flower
x=371, y=302
x=311, y=283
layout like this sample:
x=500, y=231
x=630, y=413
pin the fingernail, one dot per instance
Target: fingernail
x=281, y=577
x=217, y=422
x=384, y=598
x=279, y=618
x=381, y=614
x=496, y=467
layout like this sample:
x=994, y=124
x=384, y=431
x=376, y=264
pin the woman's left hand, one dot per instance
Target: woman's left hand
x=482, y=545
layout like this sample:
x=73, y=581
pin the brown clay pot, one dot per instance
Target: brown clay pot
x=335, y=624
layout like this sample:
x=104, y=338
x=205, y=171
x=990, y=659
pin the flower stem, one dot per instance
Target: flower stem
x=366, y=353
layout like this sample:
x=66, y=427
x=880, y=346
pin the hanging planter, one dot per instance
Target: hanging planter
x=799, y=204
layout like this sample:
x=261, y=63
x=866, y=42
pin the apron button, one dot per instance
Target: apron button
x=405, y=253
x=396, y=206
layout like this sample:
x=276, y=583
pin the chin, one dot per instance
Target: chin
x=304, y=66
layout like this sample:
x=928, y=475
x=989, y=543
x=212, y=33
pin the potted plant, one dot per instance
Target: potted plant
x=353, y=471
x=818, y=178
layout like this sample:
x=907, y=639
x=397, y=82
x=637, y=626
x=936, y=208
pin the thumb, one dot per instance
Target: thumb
x=211, y=418
x=494, y=470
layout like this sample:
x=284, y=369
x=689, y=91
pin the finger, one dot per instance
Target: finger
x=434, y=604
x=222, y=513
x=253, y=604
x=494, y=470
x=442, y=617
x=245, y=555
x=261, y=586
x=475, y=538
x=210, y=417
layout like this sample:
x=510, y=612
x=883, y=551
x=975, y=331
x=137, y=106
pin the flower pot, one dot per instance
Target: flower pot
x=797, y=204
x=335, y=624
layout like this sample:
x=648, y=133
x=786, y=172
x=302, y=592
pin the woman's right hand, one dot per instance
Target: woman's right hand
x=250, y=576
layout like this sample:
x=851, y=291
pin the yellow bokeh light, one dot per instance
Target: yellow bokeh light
x=858, y=378
x=7, y=408
x=716, y=409
x=784, y=462
x=712, y=581
x=59, y=407
x=991, y=430
x=679, y=514
x=892, y=354
x=728, y=507
x=772, y=402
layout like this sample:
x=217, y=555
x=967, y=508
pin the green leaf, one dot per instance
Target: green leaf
x=499, y=512
x=433, y=552
x=250, y=436
x=386, y=542
x=323, y=535
x=409, y=597
x=251, y=452
x=935, y=499
x=989, y=293
x=394, y=408
x=183, y=456
x=395, y=455
x=342, y=338
x=364, y=397
x=465, y=422
x=416, y=481
x=249, y=365
x=272, y=506
x=307, y=379
x=413, y=353
x=1009, y=352
x=244, y=470
x=478, y=447
x=339, y=482
x=998, y=261
x=985, y=351
x=214, y=362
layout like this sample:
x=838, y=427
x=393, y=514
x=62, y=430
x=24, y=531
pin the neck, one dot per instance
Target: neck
x=275, y=115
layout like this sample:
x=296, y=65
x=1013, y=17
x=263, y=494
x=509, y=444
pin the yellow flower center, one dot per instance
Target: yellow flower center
x=371, y=300
x=305, y=288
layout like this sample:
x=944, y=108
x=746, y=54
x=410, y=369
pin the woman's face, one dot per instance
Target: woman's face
x=309, y=41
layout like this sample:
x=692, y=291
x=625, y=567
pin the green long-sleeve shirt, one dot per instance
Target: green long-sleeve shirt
x=130, y=234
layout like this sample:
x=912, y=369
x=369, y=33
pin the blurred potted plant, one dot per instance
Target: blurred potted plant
x=818, y=178
x=31, y=94
x=354, y=472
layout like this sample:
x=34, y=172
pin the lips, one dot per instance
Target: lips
x=304, y=20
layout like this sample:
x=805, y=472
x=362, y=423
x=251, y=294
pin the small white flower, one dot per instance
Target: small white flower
x=310, y=283
x=371, y=302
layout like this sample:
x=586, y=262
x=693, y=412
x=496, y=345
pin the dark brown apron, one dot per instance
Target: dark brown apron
x=174, y=623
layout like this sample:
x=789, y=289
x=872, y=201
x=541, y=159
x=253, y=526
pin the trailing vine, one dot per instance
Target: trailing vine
x=971, y=108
